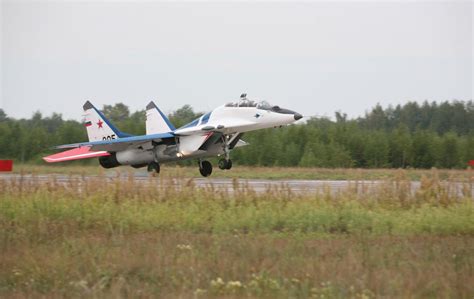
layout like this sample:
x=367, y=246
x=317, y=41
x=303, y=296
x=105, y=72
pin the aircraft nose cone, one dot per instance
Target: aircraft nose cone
x=298, y=116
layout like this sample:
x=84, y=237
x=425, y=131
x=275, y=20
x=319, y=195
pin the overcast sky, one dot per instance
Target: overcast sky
x=312, y=57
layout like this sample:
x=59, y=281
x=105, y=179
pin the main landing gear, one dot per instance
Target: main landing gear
x=154, y=168
x=205, y=168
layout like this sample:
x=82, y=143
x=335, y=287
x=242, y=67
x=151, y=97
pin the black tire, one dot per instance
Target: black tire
x=223, y=164
x=153, y=167
x=205, y=168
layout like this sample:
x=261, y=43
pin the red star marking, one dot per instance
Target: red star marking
x=100, y=124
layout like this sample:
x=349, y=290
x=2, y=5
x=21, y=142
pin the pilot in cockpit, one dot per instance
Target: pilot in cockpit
x=244, y=102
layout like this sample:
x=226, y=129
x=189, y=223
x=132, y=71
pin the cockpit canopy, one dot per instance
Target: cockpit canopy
x=244, y=102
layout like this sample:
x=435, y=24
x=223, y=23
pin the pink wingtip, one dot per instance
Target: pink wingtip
x=75, y=154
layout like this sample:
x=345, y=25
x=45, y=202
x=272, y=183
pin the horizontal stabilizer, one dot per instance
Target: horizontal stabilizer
x=75, y=154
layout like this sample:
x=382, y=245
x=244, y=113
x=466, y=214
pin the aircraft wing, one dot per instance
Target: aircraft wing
x=120, y=144
x=75, y=154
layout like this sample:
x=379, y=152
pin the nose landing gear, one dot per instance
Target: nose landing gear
x=225, y=164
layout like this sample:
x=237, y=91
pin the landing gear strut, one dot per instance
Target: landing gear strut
x=205, y=168
x=225, y=163
x=154, y=167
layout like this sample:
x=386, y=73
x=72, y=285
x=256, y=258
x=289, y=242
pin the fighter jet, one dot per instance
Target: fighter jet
x=215, y=133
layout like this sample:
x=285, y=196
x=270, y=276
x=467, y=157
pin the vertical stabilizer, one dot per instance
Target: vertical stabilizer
x=98, y=127
x=156, y=121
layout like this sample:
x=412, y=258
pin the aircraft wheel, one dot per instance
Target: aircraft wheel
x=205, y=168
x=225, y=164
x=154, y=167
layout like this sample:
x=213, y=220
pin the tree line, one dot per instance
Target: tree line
x=411, y=135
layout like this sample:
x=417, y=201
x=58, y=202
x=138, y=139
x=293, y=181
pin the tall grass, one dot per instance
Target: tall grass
x=116, y=237
x=249, y=172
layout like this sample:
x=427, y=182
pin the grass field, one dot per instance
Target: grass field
x=246, y=172
x=122, y=238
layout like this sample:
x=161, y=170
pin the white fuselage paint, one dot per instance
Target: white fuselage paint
x=225, y=120
x=240, y=119
x=228, y=120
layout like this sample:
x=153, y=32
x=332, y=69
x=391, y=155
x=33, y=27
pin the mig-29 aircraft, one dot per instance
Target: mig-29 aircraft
x=215, y=133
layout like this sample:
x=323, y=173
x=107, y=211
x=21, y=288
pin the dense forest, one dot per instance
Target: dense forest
x=411, y=135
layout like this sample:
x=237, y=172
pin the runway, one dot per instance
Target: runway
x=233, y=185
